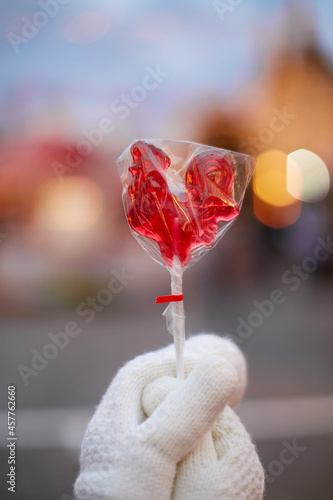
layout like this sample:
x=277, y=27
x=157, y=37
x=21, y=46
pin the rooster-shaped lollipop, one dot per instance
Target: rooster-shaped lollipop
x=184, y=210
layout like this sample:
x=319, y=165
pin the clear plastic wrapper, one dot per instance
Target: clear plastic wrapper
x=180, y=198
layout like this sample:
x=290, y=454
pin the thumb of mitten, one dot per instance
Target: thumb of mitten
x=155, y=392
x=182, y=412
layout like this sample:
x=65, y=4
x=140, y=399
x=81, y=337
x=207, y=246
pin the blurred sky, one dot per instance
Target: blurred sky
x=90, y=64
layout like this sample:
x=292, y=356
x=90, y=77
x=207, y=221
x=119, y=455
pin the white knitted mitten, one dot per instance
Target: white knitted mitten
x=154, y=437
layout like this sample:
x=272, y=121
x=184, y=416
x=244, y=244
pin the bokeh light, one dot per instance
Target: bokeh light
x=308, y=178
x=72, y=204
x=9, y=193
x=273, y=205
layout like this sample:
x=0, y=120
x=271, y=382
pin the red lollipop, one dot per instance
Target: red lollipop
x=180, y=225
x=179, y=205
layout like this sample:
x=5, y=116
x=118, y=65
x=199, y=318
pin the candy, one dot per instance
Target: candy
x=180, y=224
x=180, y=198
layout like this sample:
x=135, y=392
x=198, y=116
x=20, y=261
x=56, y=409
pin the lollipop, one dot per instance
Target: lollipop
x=180, y=198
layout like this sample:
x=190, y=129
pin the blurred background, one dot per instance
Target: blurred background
x=80, y=81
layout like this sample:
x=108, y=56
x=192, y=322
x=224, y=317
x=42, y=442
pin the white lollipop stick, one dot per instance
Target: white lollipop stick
x=175, y=316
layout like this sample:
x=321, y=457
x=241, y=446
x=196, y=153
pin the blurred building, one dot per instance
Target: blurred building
x=289, y=107
x=295, y=89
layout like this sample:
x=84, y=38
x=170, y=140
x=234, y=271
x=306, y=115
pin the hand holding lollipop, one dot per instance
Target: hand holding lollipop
x=153, y=436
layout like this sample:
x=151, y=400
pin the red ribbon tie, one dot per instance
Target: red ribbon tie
x=169, y=298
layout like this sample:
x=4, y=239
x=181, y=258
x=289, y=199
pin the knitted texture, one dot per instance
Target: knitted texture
x=156, y=437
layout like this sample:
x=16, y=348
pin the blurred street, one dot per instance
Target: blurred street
x=289, y=357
